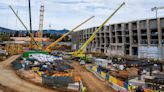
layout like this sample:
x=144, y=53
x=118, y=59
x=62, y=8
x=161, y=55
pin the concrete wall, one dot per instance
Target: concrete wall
x=135, y=38
x=149, y=52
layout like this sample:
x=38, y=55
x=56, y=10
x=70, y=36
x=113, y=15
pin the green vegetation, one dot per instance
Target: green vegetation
x=5, y=37
x=55, y=37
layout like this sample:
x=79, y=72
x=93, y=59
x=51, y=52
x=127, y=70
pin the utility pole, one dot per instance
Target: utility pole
x=31, y=43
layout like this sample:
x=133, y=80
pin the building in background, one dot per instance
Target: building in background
x=141, y=38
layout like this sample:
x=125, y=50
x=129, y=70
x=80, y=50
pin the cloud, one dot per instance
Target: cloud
x=68, y=13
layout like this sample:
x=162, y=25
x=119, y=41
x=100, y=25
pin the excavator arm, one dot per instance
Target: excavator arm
x=79, y=53
x=48, y=49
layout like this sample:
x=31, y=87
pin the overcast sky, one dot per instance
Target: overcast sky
x=67, y=14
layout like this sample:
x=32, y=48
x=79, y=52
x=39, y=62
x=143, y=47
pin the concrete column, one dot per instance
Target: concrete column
x=138, y=32
x=123, y=33
x=123, y=37
x=138, y=36
x=159, y=32
x=110, y=36
x=130, y=37
x=148, y=31
x=115, y=27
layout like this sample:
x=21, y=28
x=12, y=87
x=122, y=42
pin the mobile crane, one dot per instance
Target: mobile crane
x=48, y=48
x=80, y=53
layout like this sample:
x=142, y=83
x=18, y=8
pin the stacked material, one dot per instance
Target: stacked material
x=57, y=81
x=44, y=58
x=130, y=72
x=102, y=62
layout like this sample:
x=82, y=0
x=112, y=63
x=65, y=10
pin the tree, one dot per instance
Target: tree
x=16, y=34
x=5, y=37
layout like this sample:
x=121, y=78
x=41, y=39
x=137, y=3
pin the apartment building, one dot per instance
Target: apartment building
x=141, y=38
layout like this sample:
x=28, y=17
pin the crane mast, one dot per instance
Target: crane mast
x=79, y=53
x=31, y=42
x=41, y=19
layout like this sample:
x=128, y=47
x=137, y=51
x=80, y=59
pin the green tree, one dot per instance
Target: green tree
x=5, y=37
x=16, y=34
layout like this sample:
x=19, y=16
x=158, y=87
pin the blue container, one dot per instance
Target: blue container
x=125, y=85
x=107, y=76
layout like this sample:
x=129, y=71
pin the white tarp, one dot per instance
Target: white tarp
x=44, y=58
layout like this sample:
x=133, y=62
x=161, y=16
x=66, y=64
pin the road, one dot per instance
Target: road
x=10, y=80
x=92, y=83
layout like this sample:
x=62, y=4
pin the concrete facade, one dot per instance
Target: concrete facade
x=141, y=38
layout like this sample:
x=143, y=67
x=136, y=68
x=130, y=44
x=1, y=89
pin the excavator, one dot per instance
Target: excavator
x=48, y=48
x=80, y=53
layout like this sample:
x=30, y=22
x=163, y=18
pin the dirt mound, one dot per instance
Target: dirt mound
x=61, y=47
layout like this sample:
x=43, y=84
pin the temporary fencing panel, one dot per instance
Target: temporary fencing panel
x=113, y=79
x=107, y=76
x=117, y=84
x=94, y=68
x=103, y=74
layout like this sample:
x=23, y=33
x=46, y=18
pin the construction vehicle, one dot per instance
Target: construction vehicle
x=48, y=48
x=80, y=53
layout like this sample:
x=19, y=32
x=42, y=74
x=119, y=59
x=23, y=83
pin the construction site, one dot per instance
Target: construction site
x=126, y=56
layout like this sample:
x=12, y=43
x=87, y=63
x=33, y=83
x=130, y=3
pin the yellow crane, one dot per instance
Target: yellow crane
x=48, y=48
x=79, y=53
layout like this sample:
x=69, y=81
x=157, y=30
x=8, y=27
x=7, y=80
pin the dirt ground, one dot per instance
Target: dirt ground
x=92, y=83
x=10, y=82
x=13, y=83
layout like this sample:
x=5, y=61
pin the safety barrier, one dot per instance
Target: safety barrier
x=116, y=84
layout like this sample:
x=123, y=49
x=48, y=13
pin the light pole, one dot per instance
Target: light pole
x=156, y=9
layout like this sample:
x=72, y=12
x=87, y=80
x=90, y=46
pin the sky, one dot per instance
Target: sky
x=67, y=14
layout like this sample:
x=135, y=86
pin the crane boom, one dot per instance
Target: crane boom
x=48, y=49
x=32, y=37
x=80, y=51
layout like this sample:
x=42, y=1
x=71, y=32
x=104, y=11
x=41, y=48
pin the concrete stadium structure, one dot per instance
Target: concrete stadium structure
x=141, y=38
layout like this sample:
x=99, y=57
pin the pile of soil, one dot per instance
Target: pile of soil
x=97, y=54
x=61, y=47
